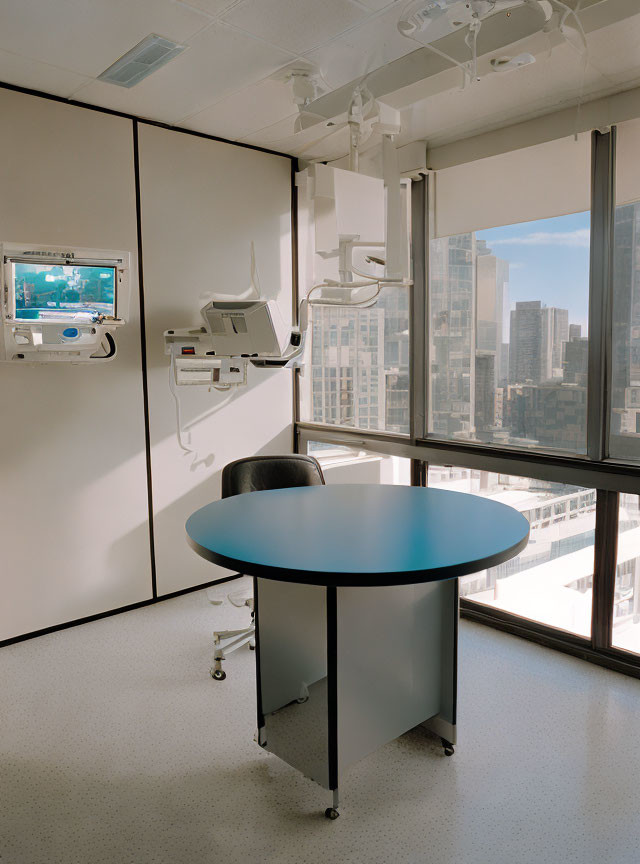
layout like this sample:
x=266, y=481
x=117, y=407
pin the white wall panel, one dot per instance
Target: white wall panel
x=74, y=521
x=203, y=202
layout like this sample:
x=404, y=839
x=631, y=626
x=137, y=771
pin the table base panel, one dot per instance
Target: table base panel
x=342, y=671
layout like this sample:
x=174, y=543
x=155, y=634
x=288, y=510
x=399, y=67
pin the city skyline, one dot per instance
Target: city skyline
x=489, y=290
x=548, y=261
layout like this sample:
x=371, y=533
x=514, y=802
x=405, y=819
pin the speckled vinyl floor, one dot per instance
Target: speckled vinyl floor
x=117, y=747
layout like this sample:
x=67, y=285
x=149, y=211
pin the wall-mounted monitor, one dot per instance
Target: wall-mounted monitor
x=61, y=303
x=60, y=291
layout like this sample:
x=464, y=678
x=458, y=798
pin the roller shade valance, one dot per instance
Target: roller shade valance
x=539, y=182
x=628, y=162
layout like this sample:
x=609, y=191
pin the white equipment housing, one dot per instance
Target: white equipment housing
x=236, y=332
x=251, y=327
x=70, y=327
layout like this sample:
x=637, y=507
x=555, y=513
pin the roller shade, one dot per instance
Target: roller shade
x=550, y=179
x=628, y=162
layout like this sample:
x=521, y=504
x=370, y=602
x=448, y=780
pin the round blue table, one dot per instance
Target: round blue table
x=357, y=535
x=356, y=610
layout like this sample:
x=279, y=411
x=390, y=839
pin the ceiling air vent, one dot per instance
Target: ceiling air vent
x=147, y=56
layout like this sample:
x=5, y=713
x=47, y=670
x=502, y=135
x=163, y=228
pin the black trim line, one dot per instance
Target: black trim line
x=456, y=619
x=295, y=297
x=143, y=359
x=295, y=286
x=28, y=91
x=99, y=615
x=256, y=620
x=332, y=685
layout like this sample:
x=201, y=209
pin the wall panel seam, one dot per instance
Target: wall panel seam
x=143, y=362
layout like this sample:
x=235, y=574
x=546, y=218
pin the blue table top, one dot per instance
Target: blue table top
x=357, y=535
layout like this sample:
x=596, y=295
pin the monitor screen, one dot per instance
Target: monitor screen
x=60, y=291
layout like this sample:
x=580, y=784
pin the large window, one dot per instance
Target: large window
x=552, y=580
x=509, y=307
x=526, y=365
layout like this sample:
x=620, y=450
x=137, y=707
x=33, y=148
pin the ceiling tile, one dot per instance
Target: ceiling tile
x=219, y=61
x=282, y=135
x=15, y=69
x=376, y=5
x=211, y=7
x=362, y=49
x=87, y=36
x=295, y=25
x=246, y=111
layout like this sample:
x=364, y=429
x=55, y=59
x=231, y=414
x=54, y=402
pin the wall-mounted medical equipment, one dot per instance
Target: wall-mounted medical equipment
x=61, y=304
x=348, y=211
x=349, y=215
x=236, y=332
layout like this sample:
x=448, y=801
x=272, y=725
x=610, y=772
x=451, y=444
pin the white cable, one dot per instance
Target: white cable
x=172, y=385
x=324, y=285
x=360, y=304
x=463, y=66
x=384, y=280
x=569, y=12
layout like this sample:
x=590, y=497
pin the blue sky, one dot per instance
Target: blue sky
x=549, y=261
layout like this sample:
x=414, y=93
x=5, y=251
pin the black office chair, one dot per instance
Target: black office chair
x=256, y=474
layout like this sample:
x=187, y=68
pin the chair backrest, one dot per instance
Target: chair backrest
x=257, y=473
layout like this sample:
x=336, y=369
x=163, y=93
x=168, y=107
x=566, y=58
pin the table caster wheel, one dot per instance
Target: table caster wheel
x=448, y=747
x=218, y=674
x=331, y=813
x=252, y=647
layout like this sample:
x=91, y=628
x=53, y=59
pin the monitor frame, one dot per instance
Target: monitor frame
x=9, y=260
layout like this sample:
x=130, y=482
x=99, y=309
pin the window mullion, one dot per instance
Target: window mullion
x=604, y=569
x=418, y=318
x=600, y=289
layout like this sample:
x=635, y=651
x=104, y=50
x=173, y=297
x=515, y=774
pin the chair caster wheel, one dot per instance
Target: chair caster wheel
x=218, y=674
x=331, y=813
x=447, y=747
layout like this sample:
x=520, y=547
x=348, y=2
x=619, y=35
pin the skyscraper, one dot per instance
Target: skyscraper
x=394, y=302
x=347, y=372
x=559, y=335
x=468, y=315
x=625, y=401
x=485, y=395
x=453, y=335
x=537, y=335
x=360, y=363
x=575, y=363
x=492, y=307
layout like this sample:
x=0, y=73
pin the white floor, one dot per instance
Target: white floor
x=118, y=747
